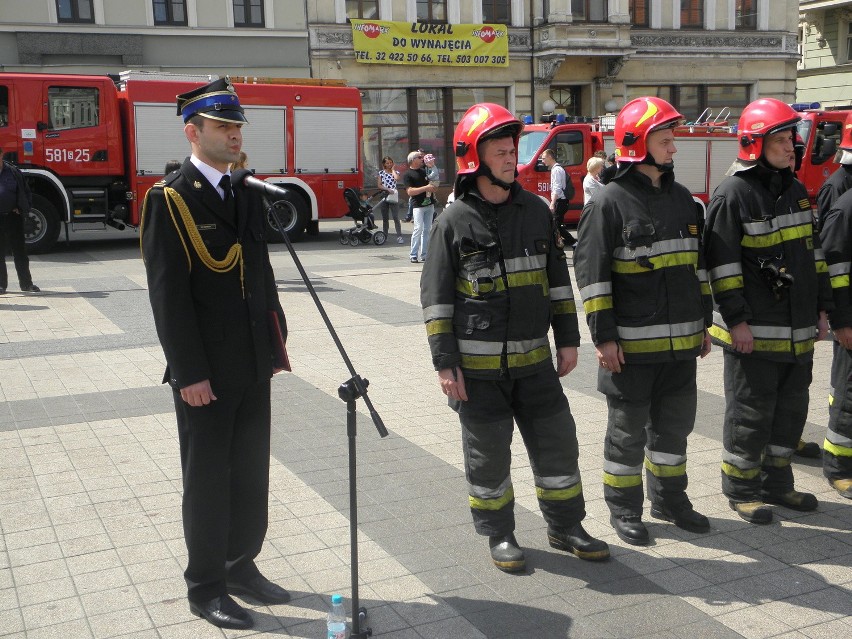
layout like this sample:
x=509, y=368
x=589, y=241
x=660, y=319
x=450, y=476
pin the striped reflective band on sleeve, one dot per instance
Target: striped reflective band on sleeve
x=726, y=277
x=792, y=226
x=665, y=464
x=839, y=274
x=558, y=488
x=438, y=318
x=562, y=300
x=705, y=282
x=734, y=466
x=620, y=476
x=819, y=258
x=661, y=337
x=596, y=297
x=837, y=444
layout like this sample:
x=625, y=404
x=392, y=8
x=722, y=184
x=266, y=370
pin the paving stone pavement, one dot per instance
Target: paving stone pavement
x=90, y=535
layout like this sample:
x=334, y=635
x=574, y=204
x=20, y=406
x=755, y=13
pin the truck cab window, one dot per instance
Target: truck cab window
x=4, y=106
x=72, y=107
x=569, y=148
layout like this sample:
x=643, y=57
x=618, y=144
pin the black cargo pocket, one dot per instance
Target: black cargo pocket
x=638, y=233
x=470, y=323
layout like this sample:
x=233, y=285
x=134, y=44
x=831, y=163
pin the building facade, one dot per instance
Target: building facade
x=825, y=48
x=236, y=37
x=575, y=57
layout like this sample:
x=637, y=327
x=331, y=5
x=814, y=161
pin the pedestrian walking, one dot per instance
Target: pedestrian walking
x=16, y=200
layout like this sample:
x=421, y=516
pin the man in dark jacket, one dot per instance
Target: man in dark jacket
x=770, y=284
x=494, y=284
x=213, y=293
x=841, y=180
x=15, y=203
x=644, y=287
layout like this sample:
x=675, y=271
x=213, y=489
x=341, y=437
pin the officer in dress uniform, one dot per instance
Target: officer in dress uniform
x=212, y=293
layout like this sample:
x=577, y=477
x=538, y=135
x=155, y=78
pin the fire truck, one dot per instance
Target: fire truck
x=92, y=146
x=706, y=149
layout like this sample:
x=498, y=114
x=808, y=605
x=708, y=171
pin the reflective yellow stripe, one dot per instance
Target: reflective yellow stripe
x=662, y=344
x=776, y=237
x=466, y=287
x=776, y=462
x=597, y=304
x=804, y=347
x=732, y=471
x=480, y=362
x=492, y=504
x=727, y=283
x=839, y=281
x=622, y=481
x=564, y=307
x=535, y=356
x=720, y=333
x=837, y=451
x=561, y=494
x=772, y=345
x=439, y=326
x=659, y=261
x=821, y=266
x=529, y=278
x=705, y=288
x=665, y=471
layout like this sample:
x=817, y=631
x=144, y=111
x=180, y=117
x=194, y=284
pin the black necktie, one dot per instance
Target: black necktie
x=225, y=185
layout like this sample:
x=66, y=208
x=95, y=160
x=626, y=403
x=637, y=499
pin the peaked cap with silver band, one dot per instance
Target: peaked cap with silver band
x=217, y=101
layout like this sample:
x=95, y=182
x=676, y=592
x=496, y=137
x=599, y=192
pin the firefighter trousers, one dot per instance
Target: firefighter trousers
x=766, y=406
x=538, y=405
x=651, y=413
x=837, y=456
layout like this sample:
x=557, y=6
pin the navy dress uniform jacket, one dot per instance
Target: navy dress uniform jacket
x=210, y=324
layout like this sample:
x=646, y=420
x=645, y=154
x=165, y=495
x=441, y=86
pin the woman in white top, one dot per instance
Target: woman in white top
x=387, y=181
x=591, y=183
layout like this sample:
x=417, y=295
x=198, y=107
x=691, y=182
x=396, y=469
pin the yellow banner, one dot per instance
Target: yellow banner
x=454, y=45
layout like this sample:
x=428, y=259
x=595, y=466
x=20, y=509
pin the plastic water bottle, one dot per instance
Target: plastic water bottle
x=337, y=618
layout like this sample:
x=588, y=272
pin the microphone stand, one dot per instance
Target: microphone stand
x=349, y=391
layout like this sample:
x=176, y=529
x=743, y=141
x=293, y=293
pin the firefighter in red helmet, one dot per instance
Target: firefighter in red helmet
x=644, y=287
x=771, y=288
x=494, y=284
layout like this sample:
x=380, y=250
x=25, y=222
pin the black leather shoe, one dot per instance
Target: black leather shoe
x=506, y=554
x=32, y=288
x=2, y=288
x=223, y=612
x=803, y=502
x=686, y=518
x=578, y=542
x=811, y=450
x=259, y=588
x=630, y=528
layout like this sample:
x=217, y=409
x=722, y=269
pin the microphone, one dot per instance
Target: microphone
x=246, y=178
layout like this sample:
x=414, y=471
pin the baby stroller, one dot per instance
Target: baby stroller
x=361, y=211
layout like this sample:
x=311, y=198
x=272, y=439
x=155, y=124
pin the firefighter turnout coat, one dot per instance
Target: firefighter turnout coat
x=641, y=271
x=759, y=225
x=494, y=284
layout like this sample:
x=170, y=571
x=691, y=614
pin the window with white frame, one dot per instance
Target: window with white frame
x=362, y=9
x=497, y=11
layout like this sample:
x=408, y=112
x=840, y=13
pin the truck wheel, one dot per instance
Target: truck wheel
x=41, y=226
x=294, y=215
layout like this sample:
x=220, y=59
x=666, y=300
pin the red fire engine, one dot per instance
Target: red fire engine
x=91, y=146
x=705, y=151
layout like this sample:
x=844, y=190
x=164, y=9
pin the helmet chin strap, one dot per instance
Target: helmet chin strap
x=486, y=172
x=668, y=167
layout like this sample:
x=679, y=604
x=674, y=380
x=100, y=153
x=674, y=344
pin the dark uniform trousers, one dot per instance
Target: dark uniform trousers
x=224, y=452
x=766, y=409
x=837, y=456
x=12, y=235
x=651, y=414
x=539, y=406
